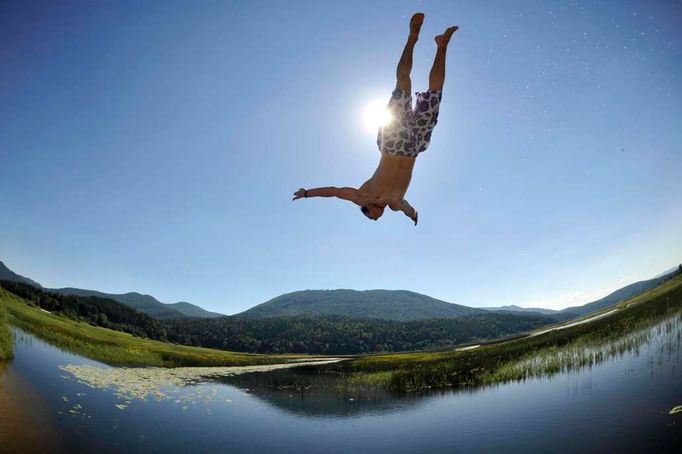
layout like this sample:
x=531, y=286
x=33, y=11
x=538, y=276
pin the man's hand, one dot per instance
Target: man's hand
x=299, y=194
x=410, y=212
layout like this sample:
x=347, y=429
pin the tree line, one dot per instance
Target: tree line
x=314, y=334
x=96, y=311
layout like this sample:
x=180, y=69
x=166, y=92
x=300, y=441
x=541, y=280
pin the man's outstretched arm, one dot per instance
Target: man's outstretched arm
x=331, y=191
x=410, y=212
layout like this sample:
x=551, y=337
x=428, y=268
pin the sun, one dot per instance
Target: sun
x=375, y=115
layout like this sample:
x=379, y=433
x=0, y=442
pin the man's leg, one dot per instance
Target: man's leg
x=404, y=69
x=437, y=74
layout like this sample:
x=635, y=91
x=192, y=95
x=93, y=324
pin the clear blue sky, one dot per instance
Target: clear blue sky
x=154, y=146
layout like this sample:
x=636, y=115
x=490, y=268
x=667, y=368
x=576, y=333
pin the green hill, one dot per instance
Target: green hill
x=341, y=334
x=190, y=310
x=145, y=303
x=514, y=308
x=399, y=305
x=8, y=275
x=312, y=334
x=620, y=295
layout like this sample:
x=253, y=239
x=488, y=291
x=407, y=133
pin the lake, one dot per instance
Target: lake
x=57, y=401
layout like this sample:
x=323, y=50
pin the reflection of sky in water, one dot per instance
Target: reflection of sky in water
x=623, y=403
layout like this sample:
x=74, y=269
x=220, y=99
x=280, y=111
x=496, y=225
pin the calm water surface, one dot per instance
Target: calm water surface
x=621, y=404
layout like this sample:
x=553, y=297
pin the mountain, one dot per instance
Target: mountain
x=513, y=308
x=398, y=305
x=668, y=272
x=8, y=275
x=190, y=310
x=145, y=303
x=621, y=294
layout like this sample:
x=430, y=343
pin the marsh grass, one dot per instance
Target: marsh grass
x=117, y=348
x=535, y=356
x=5, y=336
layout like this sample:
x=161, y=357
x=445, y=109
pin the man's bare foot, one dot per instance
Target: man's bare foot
x=444, y=39
x=416, y=25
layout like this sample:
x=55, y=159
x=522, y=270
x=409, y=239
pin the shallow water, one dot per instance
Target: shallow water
x=620, y=404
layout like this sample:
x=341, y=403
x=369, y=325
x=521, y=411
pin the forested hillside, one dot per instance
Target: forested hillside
x=399, y=305
x=144, y=303
x=338, y=334
x=332, y=334
x=103, y=312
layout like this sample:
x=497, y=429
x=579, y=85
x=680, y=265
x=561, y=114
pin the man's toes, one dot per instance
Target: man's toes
x=451, y=30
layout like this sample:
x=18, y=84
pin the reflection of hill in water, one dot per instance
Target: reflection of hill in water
x=309, y=393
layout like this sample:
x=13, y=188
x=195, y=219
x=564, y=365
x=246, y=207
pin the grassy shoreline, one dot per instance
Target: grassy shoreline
x=5, y=336
x=117, y=348
x=519, y=358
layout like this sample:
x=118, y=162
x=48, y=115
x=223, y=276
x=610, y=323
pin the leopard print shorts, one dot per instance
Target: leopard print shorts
x=409, y=131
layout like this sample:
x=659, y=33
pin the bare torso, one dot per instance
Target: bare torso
x=390, y=181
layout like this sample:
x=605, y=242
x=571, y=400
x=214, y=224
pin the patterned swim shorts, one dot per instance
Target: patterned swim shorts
x=409, y=132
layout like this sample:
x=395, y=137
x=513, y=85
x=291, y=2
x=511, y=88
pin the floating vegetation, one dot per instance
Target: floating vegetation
x=675, y=410
x=160, y=383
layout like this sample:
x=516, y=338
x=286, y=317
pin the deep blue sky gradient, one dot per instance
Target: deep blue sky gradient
x=154, y=146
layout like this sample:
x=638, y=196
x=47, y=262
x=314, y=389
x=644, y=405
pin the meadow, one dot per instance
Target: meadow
x=521, y=358
x=114, y=347
x=5, y=335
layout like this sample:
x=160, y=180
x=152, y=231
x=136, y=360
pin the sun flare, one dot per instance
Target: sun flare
x=375, y=115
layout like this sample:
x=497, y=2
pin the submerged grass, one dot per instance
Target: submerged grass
x=534, y=356
x=5, y=336
x=117, y=348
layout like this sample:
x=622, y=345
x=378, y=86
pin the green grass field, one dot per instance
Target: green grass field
x=114, y=347
x=522, y=358
x=5, y=335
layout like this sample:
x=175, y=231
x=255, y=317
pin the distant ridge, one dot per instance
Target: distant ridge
x=192, y=310
x=621, y=294
x=8, y=275
x=399, y=305
x=145, y=303
x=513, y=308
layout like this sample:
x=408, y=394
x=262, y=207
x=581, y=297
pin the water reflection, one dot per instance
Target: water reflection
x=309, y=392
x=25, y=423
x=631, y=390
x=313, y=394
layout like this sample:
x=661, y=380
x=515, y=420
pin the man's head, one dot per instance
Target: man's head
x=372, y=211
